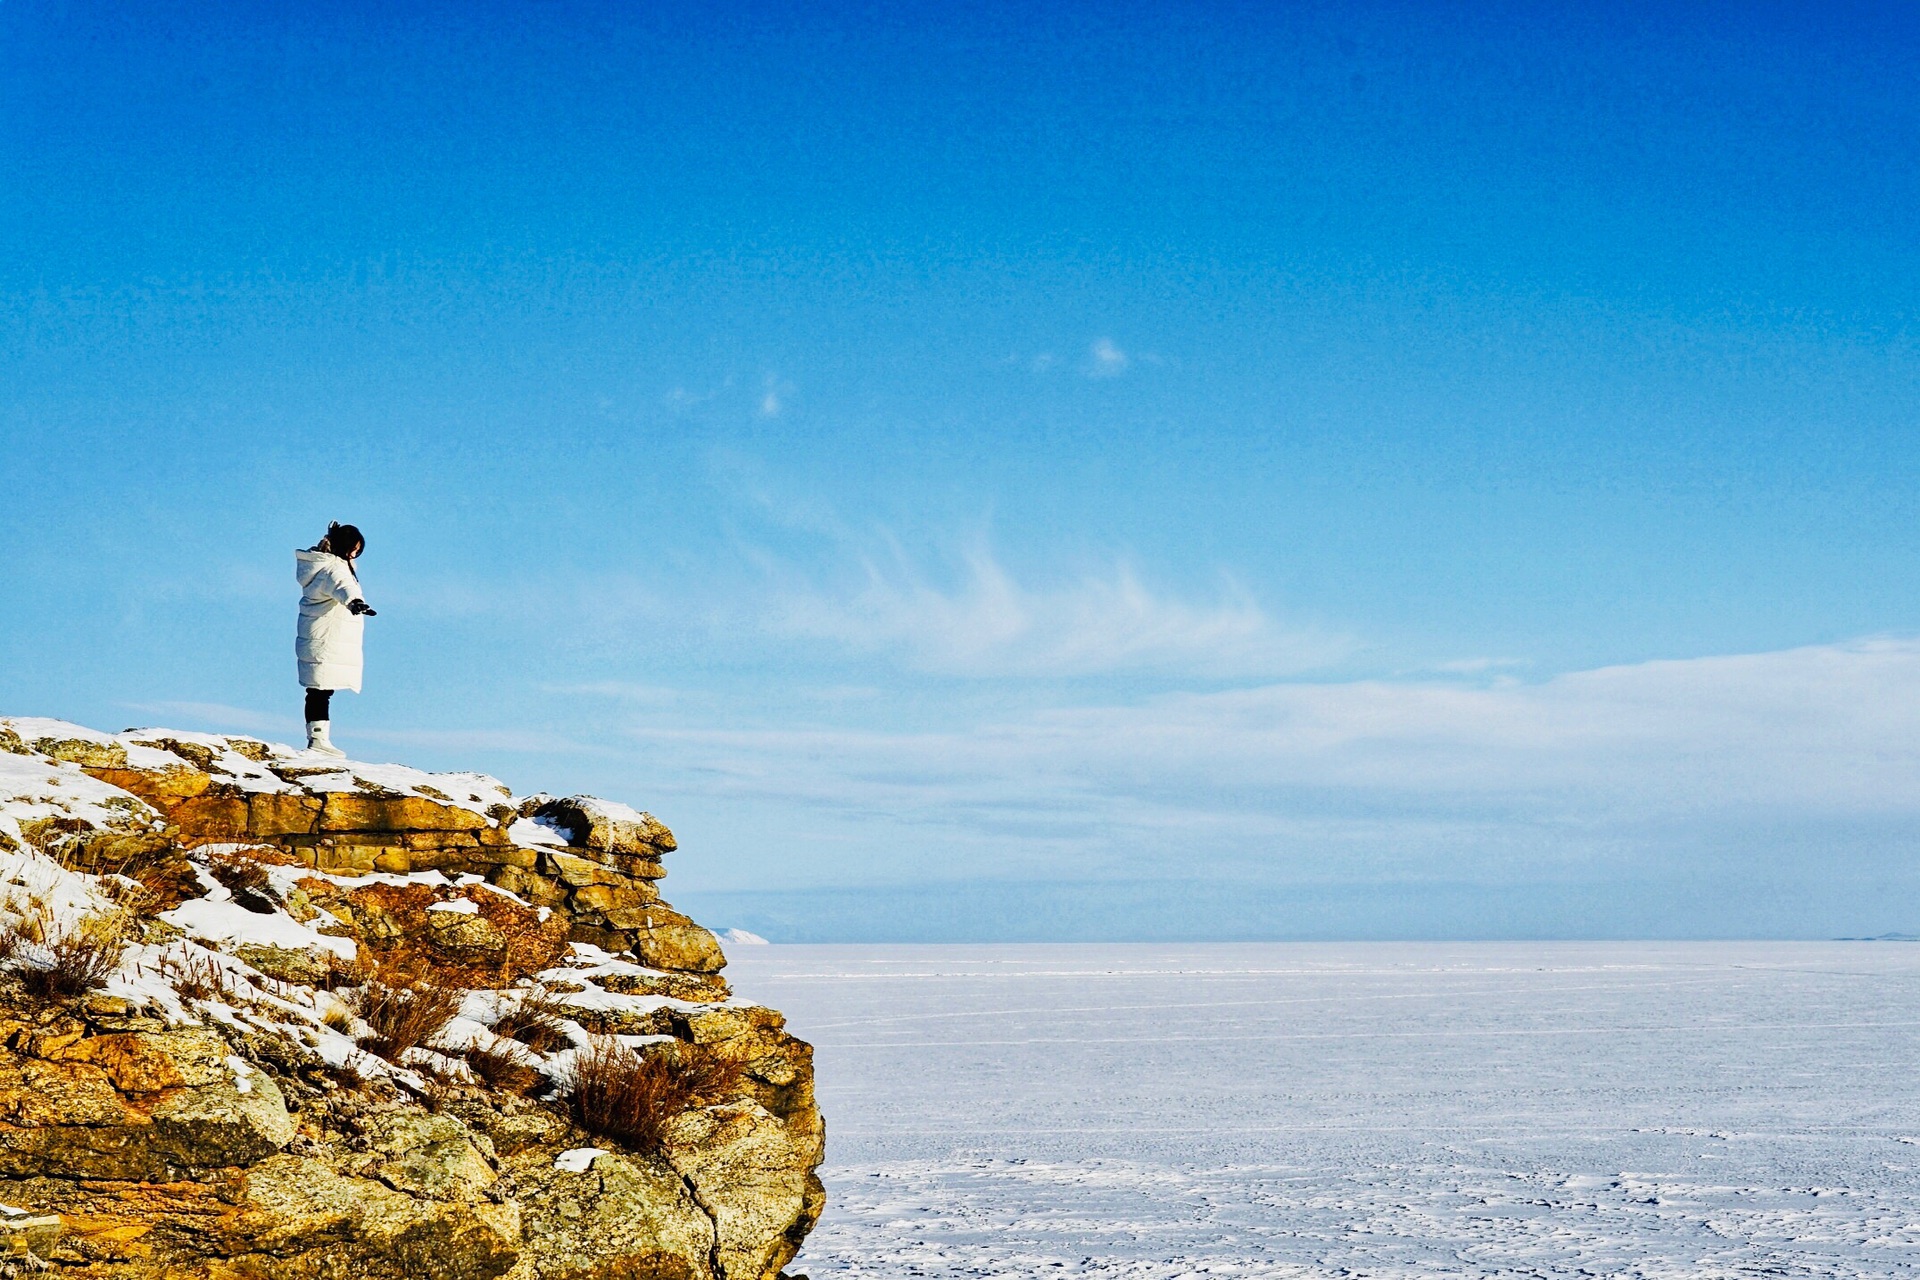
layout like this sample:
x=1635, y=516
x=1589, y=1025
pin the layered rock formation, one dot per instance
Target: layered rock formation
x=239, y=1087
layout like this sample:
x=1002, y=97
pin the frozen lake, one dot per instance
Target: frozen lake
x=1532, y=1109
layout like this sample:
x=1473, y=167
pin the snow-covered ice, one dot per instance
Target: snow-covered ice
x=1385, y=1110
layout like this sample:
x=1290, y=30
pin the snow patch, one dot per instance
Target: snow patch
x=539, y=831
x=230, y=923
x=578, y=1160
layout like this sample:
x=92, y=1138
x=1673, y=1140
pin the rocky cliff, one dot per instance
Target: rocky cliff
x=267, y=1016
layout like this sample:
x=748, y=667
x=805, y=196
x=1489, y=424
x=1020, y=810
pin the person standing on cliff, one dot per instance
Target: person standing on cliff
x=332, y=617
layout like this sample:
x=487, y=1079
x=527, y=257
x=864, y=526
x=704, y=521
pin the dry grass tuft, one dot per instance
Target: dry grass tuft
x=72, y=959
x=502, y=1068
x=633, y=1097
x=405, y=1014
x=346, y=1076
x=535, y=1021
x=196, y=977
x=239, y=872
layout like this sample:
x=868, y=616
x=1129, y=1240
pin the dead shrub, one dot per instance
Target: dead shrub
x=634, y=1097
x=73, y=958
x=535, y=1021
x=404, y=1014
x=128, y=896
x=343, y=973
x=195, y=977
x=147, y=858
x=517, y=941
x=239, y=874
x=345, y=1076
x=502, y=1068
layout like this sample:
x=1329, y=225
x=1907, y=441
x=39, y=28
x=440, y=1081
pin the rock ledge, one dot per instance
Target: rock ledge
x=222, y=1103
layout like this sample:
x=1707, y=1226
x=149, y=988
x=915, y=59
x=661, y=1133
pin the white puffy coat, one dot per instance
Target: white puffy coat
x=328, y=643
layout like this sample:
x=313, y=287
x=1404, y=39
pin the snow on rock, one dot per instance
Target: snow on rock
x=248, y=765
x=58, y=740
x=242, y=763
x=539, y=831
x=243, y=1073
x=259, y=916
x=475, y=792
x=40, y=797
x=226, y=922
x=740, y=937
x=603, y=826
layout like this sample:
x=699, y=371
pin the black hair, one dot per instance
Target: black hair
x=341, y=539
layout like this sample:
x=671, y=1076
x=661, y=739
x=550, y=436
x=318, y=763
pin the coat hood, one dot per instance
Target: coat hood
x=309, y=562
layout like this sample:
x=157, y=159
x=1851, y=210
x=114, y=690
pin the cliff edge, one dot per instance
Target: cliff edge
x=270, y=1017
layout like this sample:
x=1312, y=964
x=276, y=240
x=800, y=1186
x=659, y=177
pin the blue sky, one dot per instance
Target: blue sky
x=1145, y=471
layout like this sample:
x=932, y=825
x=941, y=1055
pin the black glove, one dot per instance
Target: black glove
x=362, y=608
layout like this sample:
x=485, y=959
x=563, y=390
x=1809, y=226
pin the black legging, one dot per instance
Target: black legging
x=318, y=702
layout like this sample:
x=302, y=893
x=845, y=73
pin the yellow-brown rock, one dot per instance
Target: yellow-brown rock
x=88, y=753
x=665, y=939
x=641, y=868
x=357, y=811
x=26, y=1235
x=162, y=787
x=622, y=1217
x=215, y=817
x=271, y=814
x=465, y=840
x=260, y=1140
x=537, y=889
x=609, y=897
x=305, y=1221
x=756, y=1175
x=185, y=1109
x=602, y=827
x=575, y=870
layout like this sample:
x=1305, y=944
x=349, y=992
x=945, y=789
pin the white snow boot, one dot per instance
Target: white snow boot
x=317, y=741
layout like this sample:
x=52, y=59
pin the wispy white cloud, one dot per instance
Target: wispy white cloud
x=1105, y=359
x=1633, y=756
x=1476, y=666
x=774, y=394
x=1830, y=728
x=989, y=624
